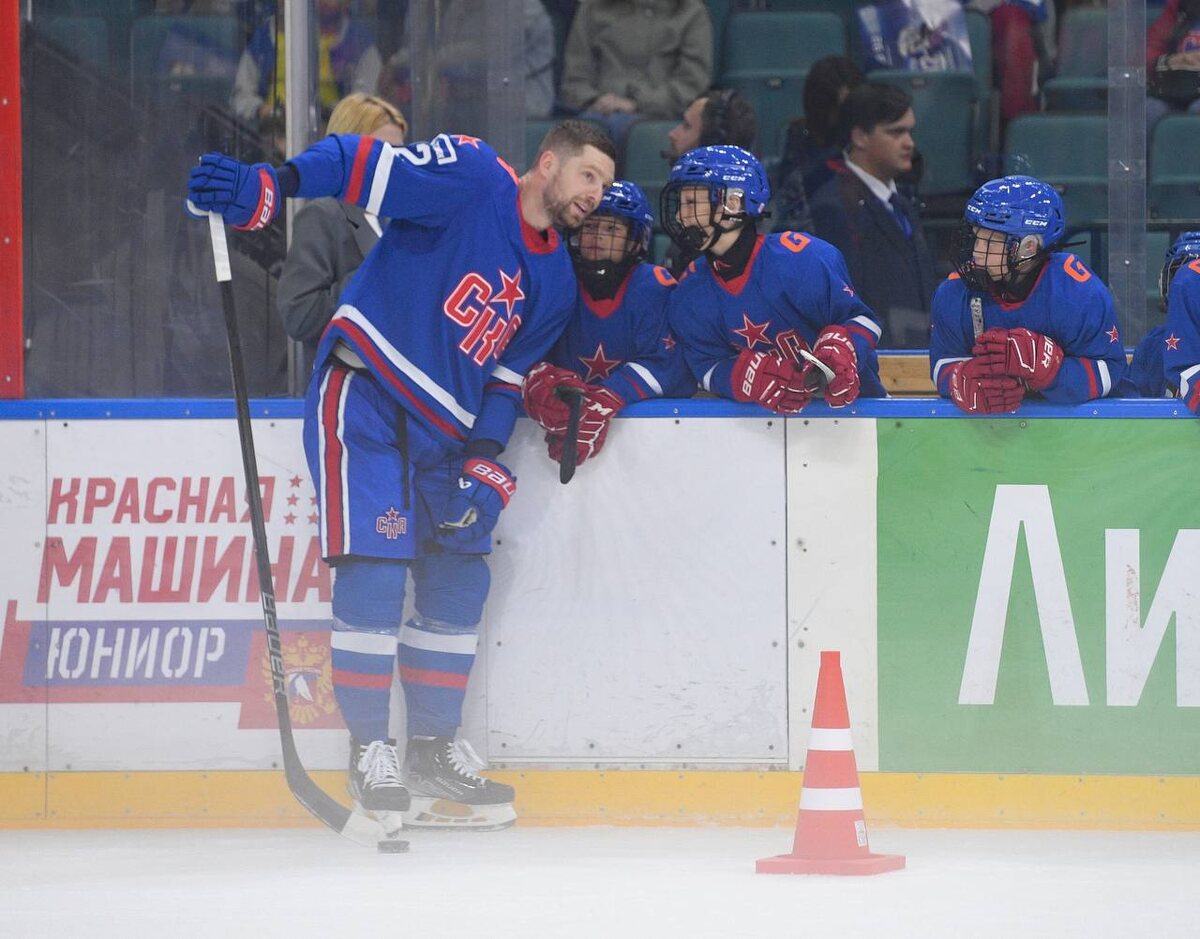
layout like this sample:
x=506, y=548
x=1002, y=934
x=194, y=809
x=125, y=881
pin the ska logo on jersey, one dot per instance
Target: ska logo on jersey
x=391, y=524
x=487, y=314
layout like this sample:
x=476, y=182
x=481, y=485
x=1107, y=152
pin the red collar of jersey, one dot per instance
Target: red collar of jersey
x=536, y=240
x=606, y=308
x=735, y=285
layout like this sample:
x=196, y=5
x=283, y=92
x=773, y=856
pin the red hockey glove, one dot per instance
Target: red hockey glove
x=600, y=406
x=541, y=403
x=1030, y=356
x=977, y=391
x=835, y=349
x=769, y=380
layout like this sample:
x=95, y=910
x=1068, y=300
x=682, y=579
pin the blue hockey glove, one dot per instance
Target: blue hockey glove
x=247, y=195
x=484, y=489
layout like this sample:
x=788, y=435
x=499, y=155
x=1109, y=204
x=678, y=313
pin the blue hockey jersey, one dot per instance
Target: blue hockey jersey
x=623, y=343
x=1068, y=303
x=1167, y=360
x=460, y=296
x=794, y=285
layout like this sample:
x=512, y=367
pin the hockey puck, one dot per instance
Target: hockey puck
x=392, y=847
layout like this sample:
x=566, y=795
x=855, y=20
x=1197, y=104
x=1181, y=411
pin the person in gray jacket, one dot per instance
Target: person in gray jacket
x=632, y=59
x=331, y=238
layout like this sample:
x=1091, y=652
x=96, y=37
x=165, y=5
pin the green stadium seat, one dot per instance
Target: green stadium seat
x=187, y=56
x=766, y=41
x=535, y=133
x=979, y=31
x=946, y=108
x=644, y=162
x=1069, y=151
x=83, y=36
x=718, y=12
x=1174, y=190
x=1081, y=83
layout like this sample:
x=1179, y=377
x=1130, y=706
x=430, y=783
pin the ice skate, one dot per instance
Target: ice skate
x=374, y=783
x=447, y=792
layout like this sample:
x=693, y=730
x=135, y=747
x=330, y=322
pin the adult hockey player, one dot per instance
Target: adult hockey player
x=617, y=347
x=1017, y=315
x=1166, y=362
x=754, y=311
x=414, y=396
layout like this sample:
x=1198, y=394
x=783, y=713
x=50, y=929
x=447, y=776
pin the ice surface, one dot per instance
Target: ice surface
x=585, y=882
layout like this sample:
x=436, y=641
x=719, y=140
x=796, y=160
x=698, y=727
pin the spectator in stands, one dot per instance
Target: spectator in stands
x=347, y=61
x=861, y=212
x=1173, y=61
x=719, y=116
x=632, y=59
x=462, y=55
x=330, y=238
x=812, y=141
x=1019, y=315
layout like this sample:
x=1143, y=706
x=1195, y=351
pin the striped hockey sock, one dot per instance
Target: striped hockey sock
x=435, y=662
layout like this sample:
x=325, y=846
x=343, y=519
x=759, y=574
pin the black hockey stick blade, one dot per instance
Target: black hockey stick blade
x=320, y=804
x=574, y=399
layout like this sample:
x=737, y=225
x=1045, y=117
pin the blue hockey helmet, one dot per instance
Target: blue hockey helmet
x=1029, y=216
x=723, y=170
x=626, y=200
x=1183, y=249
x=1019, y=206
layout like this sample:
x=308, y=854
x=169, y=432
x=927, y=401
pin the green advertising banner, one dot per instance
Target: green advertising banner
x=1039, y=596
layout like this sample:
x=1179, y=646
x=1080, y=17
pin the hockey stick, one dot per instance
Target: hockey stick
x=320, y=804
x=574, y=399
x=824, y=372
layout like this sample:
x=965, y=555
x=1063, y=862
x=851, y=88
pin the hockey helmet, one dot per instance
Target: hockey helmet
x=723, y=170
x=1183, y=249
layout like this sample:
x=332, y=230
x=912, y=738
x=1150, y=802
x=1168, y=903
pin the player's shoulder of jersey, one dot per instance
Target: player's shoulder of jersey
x=653, y=278
x=799, y=246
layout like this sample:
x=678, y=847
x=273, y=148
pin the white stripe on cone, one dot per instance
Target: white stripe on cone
x=830, y=738
x=830, y=800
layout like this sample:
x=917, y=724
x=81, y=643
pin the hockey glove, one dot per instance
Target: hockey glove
x=484, y=488
x=977, y=391
x=836, y=350
x=247, y=195
x=769, y=380
x=1030, y=356
x=541, y=402
x=600, y=406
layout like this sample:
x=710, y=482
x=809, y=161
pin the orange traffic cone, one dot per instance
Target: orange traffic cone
x=831, y=834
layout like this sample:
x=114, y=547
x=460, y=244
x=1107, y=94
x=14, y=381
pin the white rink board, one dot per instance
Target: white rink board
x=639, y=615
x=639, y=612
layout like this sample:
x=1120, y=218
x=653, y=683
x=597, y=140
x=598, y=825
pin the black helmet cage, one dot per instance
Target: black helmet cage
x=1015, y=284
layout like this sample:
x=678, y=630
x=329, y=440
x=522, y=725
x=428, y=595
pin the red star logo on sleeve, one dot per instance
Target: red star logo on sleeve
x=753, y=333
x=1172, y=342
x=466, y=140
x=668, y=342
x=511, y=292
x=1112, y=334
x=598, y=366
x=846, y=288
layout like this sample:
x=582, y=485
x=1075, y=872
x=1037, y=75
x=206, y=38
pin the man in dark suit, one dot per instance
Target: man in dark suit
x=876, y=228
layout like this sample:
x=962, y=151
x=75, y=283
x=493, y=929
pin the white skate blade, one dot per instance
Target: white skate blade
x=443, y=815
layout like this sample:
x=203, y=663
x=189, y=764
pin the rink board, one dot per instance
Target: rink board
x=663, y=613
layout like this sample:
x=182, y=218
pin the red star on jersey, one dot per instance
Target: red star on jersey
x=668, y=342
x=598, y=366
x=1172, y=341
x=466, y=139
x=753, y=333
x=1112, y=334
x=846, y=288
x=511, y=291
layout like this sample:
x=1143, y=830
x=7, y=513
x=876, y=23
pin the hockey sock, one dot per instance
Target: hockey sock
x=435, y=662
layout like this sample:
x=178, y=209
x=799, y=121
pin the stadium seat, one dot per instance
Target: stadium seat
x=1174, y=190
x=764, y=41
x=644, y=162
x=946, y=108
x=1069, y=151
x=1081, y=81
x=718, y=13
x=767, y=57
x=535, y=132
x=979, y=31
x=192, y=56
x=83, y=36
